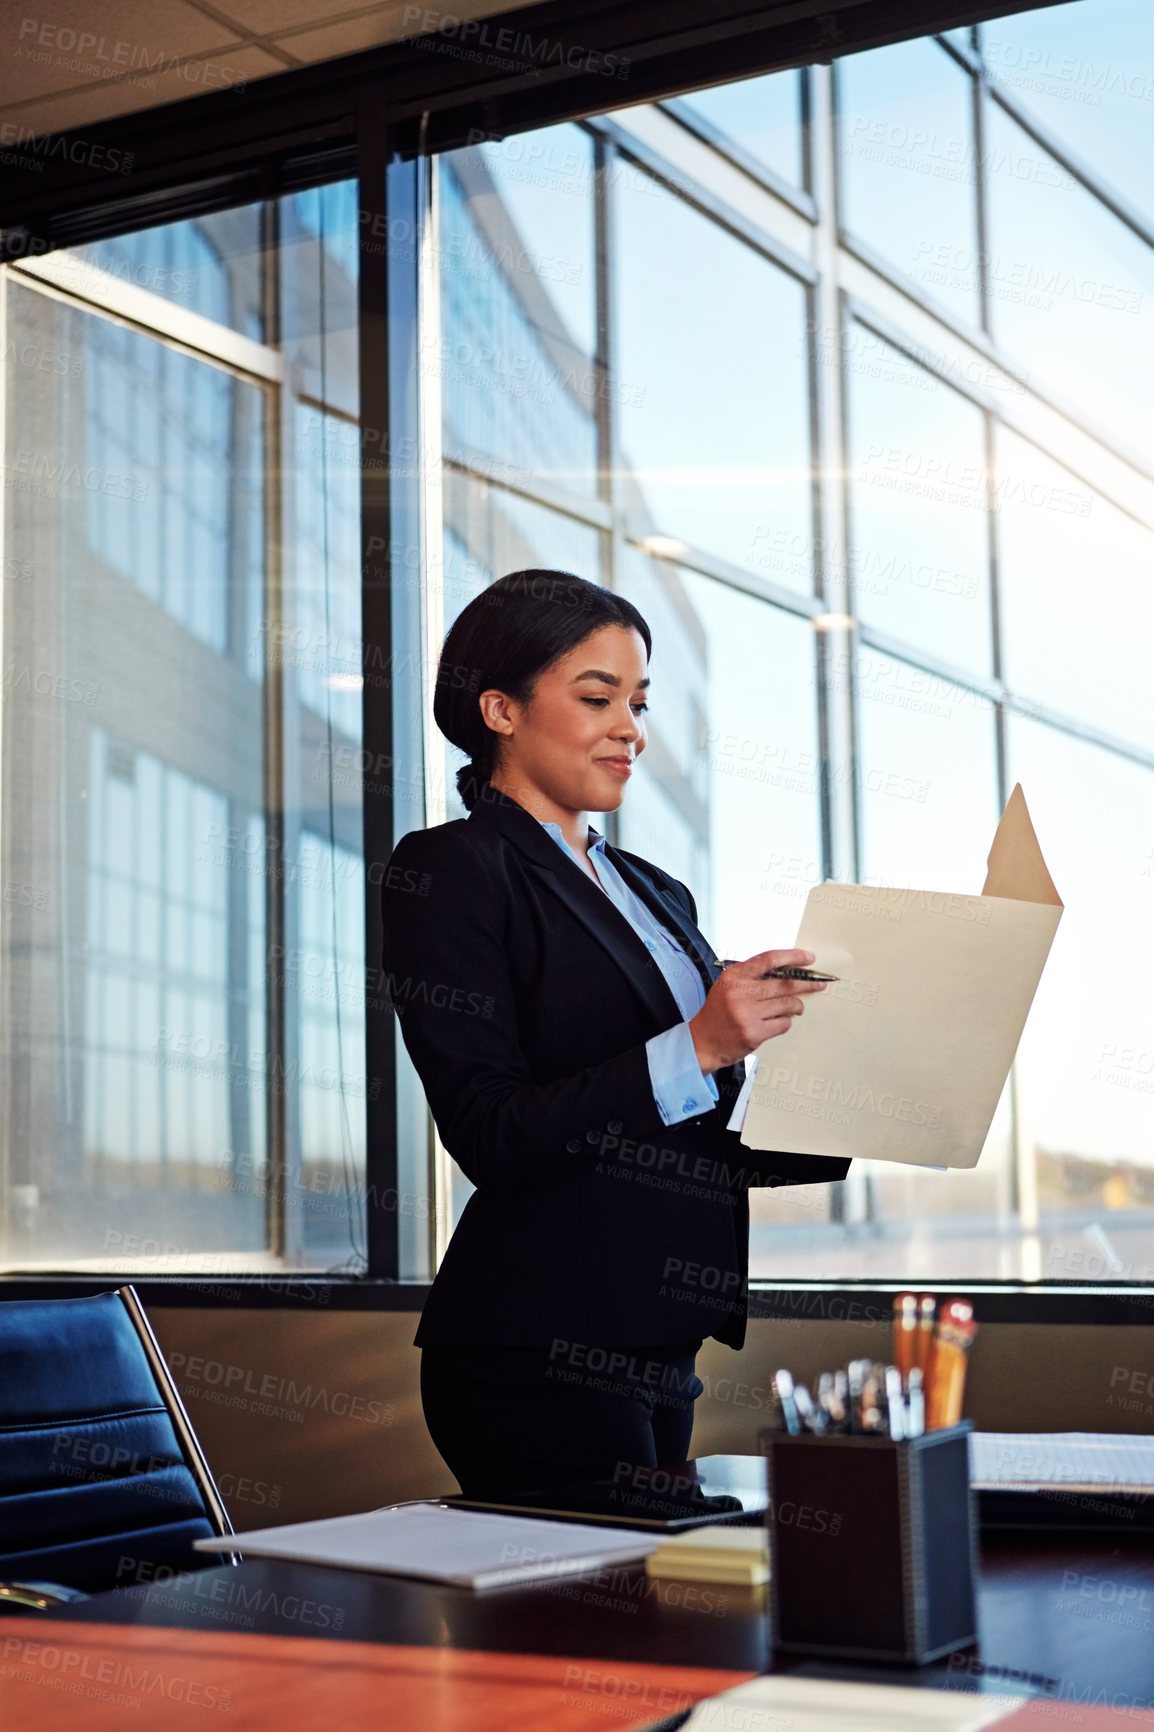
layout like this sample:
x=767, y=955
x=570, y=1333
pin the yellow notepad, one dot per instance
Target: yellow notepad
x=718, y=1553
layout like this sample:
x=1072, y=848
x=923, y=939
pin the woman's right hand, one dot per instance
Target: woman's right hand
x=741, y=1010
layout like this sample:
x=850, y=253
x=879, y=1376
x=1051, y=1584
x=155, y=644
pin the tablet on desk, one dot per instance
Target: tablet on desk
x=715, y=1488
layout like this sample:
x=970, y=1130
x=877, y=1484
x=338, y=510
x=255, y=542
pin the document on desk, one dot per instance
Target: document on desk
x=1089, y=1461
x=462, y=1547
x=905, y=1057
x=818, y=1705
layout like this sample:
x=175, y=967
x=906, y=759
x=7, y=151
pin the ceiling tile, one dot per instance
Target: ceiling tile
x=274, y=17
x=387, y=24
x=82, y=44
x=69, y=110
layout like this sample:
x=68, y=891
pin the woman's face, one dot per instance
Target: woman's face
x=584, y=727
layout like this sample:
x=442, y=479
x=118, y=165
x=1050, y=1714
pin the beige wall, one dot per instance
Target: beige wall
x=306, y=1415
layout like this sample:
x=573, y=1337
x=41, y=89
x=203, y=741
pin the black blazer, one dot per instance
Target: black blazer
x=525, y=1000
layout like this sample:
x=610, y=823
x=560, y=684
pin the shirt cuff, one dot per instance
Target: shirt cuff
x=680, y=1088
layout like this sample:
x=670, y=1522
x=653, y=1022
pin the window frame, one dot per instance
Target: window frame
x=341, y=127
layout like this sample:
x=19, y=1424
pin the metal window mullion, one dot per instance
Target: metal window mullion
x=432, y=566
x=384, y=290
x=276, y=1098
x=605, y=161
x=6, y=1028
x=852, y=1200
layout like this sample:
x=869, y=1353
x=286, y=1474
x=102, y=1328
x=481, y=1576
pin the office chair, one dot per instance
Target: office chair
x=100, y=1469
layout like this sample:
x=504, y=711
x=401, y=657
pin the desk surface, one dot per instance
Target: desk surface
x=1068, y=1617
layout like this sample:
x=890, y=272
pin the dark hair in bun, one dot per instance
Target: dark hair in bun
x=505, y=639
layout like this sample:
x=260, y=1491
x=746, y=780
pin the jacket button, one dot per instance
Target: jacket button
x=615, y=1127
x=592, y=1136
x=574, y=1145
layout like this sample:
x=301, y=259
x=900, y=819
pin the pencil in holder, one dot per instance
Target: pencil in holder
x=873, y=1545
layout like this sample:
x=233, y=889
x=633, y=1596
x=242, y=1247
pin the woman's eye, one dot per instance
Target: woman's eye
x=599, y=703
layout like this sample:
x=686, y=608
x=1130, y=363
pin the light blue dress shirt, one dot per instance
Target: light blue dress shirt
x=680, y=1088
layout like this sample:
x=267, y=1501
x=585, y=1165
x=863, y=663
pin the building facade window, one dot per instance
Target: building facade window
x=183, y=963
x=841, y=374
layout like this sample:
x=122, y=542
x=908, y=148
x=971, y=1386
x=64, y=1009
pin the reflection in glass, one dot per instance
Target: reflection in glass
x=181, y=714
x=518, y=379
x=1077, y=600
x=919, y=560
x=763, y=116
x=211, y=265
x=165, y=425
x=712, y=392
x=1072, y=288
x=908, y=167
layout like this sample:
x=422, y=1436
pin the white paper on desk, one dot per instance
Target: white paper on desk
x=468, y=1548
x=818, y=1705
x=905, y=1058
x=1071, y=1460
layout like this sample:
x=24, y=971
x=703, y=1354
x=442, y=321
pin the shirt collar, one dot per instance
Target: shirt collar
x=596, y=839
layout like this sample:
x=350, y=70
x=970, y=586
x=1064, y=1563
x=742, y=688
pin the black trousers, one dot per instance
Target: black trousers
x=521, y=1418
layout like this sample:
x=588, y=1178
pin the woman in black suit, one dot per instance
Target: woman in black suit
x=581, y=1048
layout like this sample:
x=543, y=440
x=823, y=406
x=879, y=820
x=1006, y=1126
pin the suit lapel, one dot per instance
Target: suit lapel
x=589, y=904
x=668, y=909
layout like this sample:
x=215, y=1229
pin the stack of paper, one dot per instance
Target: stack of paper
x=443, y=1545
x=718, y=1553
x=813, y=1705
x=1069, y=1460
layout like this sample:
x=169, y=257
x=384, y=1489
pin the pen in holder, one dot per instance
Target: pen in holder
x=872, y=1544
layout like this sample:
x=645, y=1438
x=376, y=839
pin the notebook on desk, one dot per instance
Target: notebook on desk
x=714, y=1488
x=458, y=1547
x=1076, y=1479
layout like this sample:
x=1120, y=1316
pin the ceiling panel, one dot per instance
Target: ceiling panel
x=94, y=62
x=91, y=103
x=111, y=45
x=349, y=35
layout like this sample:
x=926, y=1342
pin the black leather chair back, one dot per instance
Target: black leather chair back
x=101, y=1477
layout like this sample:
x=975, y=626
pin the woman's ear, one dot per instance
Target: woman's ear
x=495, y=712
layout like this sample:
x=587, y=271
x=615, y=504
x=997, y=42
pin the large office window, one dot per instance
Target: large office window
x=841, y=374
x=183, y=933
x=877, y=470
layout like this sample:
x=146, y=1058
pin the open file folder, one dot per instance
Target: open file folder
x=905, y=1058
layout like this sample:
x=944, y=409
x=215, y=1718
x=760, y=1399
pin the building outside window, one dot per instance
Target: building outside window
x=841, y=375
x=184, y=928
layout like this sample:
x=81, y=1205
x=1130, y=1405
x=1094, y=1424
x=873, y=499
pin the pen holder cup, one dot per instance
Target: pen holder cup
x=873, y=1545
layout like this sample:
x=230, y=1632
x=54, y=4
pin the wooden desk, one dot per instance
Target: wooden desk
x=1071, y=1618
x=105, y=1677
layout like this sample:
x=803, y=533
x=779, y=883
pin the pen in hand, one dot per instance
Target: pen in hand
x=783, y=973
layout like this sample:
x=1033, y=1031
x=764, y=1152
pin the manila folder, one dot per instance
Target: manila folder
x=904, y=1059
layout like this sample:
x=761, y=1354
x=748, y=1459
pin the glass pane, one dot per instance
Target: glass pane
x=712, y=394
x=190, y=947
x=763, y=116
x=212, y=265
x=1087, y=74
x=1072, y=289
x=907, y=159
x=927, y=777
x=918, y=557
x=1077, y=600
x=517, y=372
x=1087, y=1056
